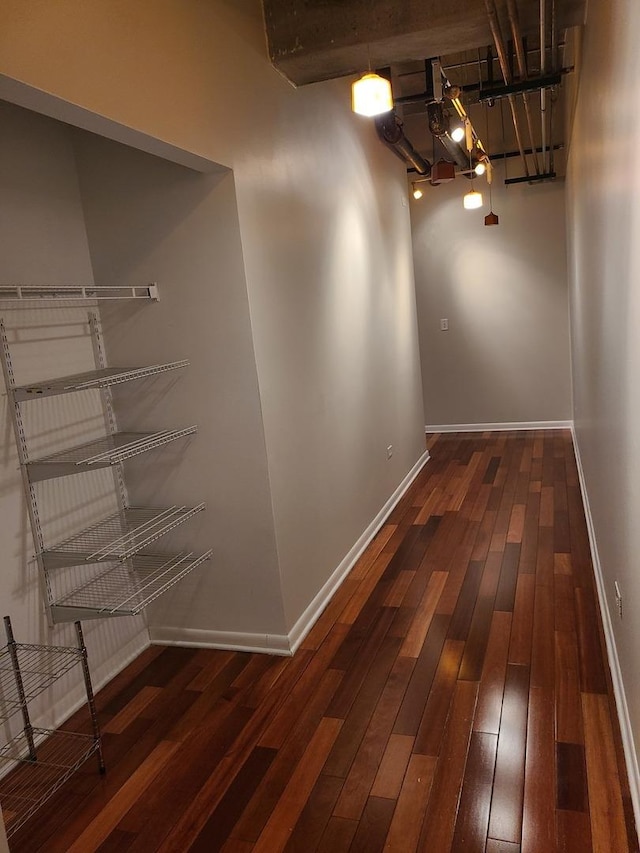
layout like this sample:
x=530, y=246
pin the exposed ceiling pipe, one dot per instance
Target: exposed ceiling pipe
x=389, y=128
x=512, y=11
x=543, y=68
x=439, y=127
x=504, y=67
x=554, y=65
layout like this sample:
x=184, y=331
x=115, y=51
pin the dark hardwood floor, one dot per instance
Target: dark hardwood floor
x=454, y=696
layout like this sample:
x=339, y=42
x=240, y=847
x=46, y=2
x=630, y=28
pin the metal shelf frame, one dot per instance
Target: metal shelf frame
x=121, y=536
x=75, y=292
x=44, y=759
x=110, y=450
x=32, y=783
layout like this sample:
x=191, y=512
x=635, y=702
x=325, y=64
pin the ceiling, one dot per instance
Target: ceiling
x=314, y=40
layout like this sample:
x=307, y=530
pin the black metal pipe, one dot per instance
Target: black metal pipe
x=533, y=85
x=527, y=179
x=389, y=128
x=489, y=92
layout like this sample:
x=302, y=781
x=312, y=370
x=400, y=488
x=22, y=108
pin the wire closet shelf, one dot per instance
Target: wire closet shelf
x=126, y=588
x=119, y=536
x=103, y=452
x=104, y=377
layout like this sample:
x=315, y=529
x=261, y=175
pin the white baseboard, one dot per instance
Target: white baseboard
x=497, y=427
x=313, y=611
x=286, y=644
x=626, y=730
x=272, y=644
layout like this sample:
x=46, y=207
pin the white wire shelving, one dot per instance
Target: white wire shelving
x=39, y=760
x=66, y=292
x=100, y=571
x=126, y=588
x=119, y=536
x=102, y=378
x=106, y=451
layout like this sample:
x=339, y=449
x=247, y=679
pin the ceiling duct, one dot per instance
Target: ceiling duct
x=390, y=131
x=439, y=127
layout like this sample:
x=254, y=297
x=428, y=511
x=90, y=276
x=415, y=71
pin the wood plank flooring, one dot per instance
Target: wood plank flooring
x=454, y=696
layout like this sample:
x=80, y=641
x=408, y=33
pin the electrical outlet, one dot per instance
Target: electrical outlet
x=444, y=325
x=618, y=598
x=390, y=451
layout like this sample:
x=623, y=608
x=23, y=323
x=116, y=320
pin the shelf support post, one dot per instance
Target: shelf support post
x=90, y=698
x=13, y=653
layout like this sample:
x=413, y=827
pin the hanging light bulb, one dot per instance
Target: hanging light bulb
x=472, y=200
x=457, y=134
x=371, y=95
x=417, y=192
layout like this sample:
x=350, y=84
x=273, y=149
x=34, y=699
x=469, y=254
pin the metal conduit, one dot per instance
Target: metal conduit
x=512, y=11
x=389, y=129
x=543, y=68
x=494, y=24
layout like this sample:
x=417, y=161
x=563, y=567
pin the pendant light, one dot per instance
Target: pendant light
x=371, y=95
x=472, y=200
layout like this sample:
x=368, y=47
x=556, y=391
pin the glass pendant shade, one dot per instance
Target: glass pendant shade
x=371, y=95
x=472, y=200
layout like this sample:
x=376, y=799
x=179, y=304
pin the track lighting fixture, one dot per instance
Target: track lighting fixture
x=458, y=133
x=371, y=95
x=417, y=192
x=480, y=168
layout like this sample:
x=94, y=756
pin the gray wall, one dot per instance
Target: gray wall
x=152, y=220
x=505, y=358
x=604, y=224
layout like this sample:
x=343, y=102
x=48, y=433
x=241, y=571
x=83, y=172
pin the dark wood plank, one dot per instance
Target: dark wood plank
x=429, y=736
x=406, y=824
x=505, y=821
x=218, y=827
x=439, y=822
x=358, y=783
x=314, y=817
x=373, y=826
x=572, y=777
x=470, y=835
x=412, y=708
